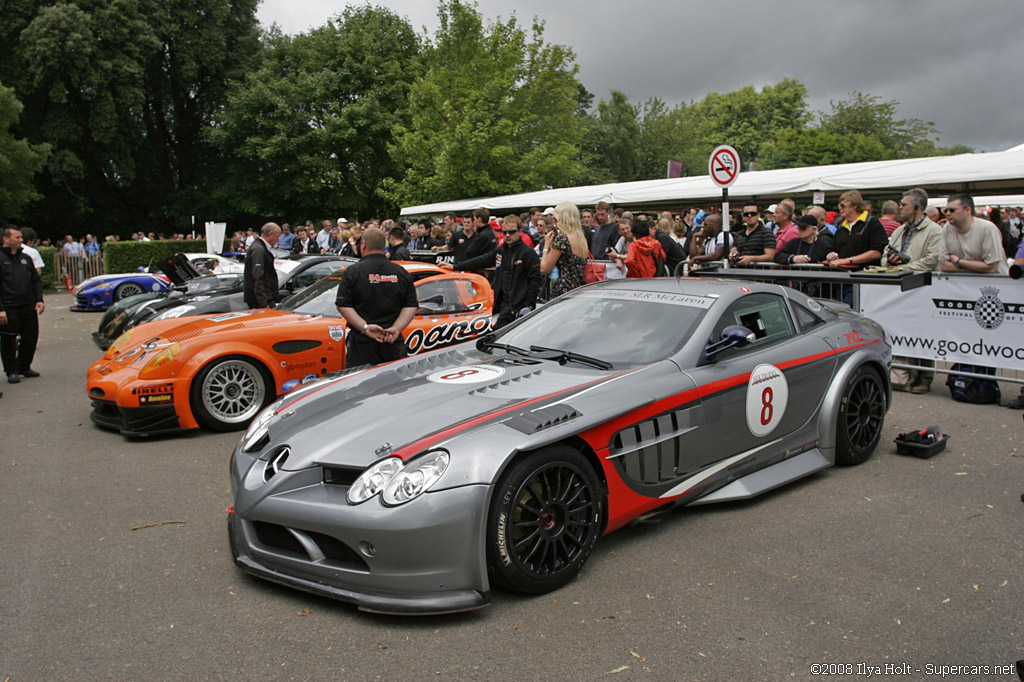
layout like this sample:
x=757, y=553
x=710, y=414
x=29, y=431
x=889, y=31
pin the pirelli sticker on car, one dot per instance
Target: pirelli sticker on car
x=651, y=296
x=476, y=374
x=162, y=394
x=336, y=331
x=767, y=397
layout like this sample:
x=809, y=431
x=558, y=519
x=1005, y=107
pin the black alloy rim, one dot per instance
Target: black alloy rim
x=865, y=412
x=552, y=518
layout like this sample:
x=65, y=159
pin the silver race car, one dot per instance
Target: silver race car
x=415, y=486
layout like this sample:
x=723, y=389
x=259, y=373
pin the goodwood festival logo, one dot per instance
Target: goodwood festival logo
x=989, y=312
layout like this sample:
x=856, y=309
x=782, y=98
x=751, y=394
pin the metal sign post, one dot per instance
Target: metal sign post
x=724, y=168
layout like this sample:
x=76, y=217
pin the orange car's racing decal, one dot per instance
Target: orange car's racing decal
x=420, y=339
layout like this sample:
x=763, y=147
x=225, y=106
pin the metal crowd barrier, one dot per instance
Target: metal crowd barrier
x=78, y=269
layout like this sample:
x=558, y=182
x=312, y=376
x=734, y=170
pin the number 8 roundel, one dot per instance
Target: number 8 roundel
x=767, y=396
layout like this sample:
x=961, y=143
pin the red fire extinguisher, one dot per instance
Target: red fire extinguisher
x=67, y=282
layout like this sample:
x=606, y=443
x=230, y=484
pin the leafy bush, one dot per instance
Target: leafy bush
x=49, y=276
x=129, y=256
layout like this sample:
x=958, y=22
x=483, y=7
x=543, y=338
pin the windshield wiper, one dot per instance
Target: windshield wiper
x=566, y=355
x=488, y=342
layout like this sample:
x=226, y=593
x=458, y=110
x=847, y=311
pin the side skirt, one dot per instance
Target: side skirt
x=768, y=478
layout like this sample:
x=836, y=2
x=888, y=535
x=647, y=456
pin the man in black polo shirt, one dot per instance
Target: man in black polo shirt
x=756, y=243
x=474, y=240
x=378, y=300
x=517, y=278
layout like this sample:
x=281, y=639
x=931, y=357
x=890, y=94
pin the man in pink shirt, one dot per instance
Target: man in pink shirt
x=786, y=228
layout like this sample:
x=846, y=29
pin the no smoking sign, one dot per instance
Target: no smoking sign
x=724, y=165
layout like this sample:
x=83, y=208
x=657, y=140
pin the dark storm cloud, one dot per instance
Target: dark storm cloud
x=946, y=61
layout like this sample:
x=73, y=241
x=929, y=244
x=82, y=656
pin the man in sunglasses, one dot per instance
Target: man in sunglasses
x=969, y=243
x=517, y=279
x=756, y=243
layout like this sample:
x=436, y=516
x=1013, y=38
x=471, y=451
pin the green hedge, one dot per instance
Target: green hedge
x=49, y=276
x=129, y=256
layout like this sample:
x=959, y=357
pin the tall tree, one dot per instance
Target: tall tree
x=19, y=160
x=867, y=115
x=669, y=135
x=745, y=118
x=493, y=114
x=309, y=131
x=618, y=137
x=815, y=147
x=123, y=90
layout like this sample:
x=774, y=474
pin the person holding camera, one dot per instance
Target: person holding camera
x=755, y=243
x=915, y=244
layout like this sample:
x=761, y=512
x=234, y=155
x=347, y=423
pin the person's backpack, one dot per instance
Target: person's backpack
x=967, y=389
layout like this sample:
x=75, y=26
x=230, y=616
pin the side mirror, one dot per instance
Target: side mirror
x=733, y=336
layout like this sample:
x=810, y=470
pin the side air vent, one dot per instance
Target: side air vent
x=275, y=462
x=542, y=418
x=295, y=346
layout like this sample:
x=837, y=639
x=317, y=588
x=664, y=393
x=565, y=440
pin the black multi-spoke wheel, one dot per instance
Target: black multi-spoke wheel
x=544, y=520
x=861, y=414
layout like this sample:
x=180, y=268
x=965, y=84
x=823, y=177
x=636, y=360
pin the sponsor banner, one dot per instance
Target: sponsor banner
x=975, y=320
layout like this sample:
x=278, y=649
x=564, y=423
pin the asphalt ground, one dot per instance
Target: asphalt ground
x=116, y=566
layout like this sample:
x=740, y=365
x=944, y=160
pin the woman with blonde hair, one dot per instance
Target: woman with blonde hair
x=565, y=250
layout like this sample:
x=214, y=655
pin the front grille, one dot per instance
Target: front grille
x=278, y=537
x=308, y=545
x=134, y=421
x=343, y=476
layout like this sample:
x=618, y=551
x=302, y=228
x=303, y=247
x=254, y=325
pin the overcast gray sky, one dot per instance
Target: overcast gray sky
x=952, y=62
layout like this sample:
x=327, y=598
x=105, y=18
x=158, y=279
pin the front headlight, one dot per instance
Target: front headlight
x=373, y=480
x=415, y=479
x=177, y=311
x=399, y=483
x=160, y=359
x=259, y=427
x=119, y=343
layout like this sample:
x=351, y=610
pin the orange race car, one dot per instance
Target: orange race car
x=220, y=371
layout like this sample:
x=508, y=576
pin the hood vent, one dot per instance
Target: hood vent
x=525, y=386
x=427, y=364
x=542, y=418
x=188, y=332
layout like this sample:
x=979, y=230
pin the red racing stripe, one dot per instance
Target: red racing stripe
x=417, y=446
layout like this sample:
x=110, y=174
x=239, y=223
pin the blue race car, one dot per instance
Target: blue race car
x=102, y=291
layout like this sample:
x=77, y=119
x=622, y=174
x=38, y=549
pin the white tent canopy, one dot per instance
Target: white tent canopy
x=972, y=173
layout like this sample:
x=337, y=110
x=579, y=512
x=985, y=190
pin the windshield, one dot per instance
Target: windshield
x=316, y=299
x=208, y=282
x=621, y=327
x=284, y=266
